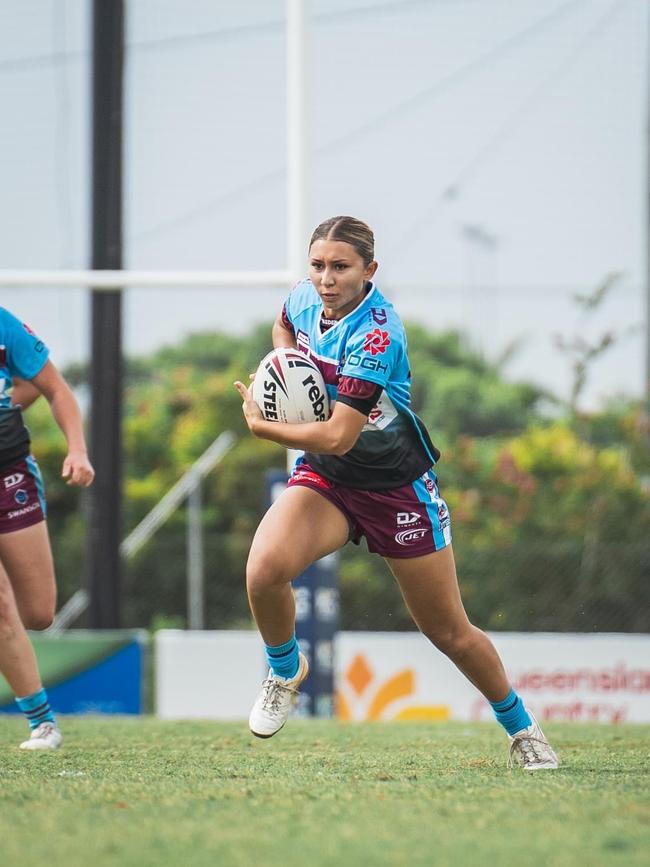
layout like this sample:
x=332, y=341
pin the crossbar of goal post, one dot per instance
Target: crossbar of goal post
x=111, y=280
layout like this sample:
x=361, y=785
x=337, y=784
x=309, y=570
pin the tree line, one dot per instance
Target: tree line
x=550, y=506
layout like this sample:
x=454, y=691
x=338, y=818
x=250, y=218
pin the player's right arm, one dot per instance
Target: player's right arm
x=282, y=332
x=24, y=393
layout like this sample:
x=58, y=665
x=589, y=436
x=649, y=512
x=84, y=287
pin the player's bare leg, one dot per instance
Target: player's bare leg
x=17, y=658
x=27, y=558
x=27, y=600
x=430, y=589
x=299, y=528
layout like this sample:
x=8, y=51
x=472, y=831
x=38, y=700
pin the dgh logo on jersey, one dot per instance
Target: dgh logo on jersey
x=376, y=341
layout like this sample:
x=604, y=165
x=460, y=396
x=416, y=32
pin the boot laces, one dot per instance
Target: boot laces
x=533, y=749
x=273, y=690
x=43, y=730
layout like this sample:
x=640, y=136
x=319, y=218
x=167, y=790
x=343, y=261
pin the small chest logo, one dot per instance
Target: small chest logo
x=376, y=341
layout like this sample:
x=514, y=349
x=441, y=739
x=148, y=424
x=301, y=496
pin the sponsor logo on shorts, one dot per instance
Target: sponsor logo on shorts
x=408, y=518
x=21, y=496
x=13, y=480
x=410, y=537
x=376, y=341
x=443, y=512
x=310, y=476
x=17, y=513
x=429, y=484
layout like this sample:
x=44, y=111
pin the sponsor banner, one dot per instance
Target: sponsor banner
x=208, y=675
x=400, y=676
x=89, y=672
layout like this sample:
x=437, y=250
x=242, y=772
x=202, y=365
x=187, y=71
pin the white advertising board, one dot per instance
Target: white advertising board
x=388, y=675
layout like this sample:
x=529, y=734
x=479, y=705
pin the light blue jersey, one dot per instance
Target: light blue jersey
x=22, y=354
x=368, y=344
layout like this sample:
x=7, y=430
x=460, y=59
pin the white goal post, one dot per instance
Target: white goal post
x=297, y=229
x=124, y=279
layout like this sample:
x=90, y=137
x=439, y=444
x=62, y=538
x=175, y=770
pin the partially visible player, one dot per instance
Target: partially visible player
x=27, y=582
x=367, y=471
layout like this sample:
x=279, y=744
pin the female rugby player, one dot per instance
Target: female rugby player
x=27, y=583
x=367, y=471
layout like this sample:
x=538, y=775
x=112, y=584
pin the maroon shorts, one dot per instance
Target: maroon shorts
x=22, y=498
x=404, y=522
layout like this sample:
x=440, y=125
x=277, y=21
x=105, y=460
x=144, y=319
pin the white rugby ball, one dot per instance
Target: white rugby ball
x=288, y=387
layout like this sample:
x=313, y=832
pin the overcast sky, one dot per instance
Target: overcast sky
x=497, y=148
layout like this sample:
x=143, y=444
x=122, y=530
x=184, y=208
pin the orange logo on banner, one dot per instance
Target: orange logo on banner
x=359, y=678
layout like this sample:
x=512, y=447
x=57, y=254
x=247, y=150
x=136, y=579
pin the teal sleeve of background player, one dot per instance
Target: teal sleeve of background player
x=26, y=353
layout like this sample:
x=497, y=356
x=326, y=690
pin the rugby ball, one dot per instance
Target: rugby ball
x=288, y=387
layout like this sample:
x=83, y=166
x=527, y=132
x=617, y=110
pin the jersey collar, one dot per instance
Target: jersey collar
x=369, y=294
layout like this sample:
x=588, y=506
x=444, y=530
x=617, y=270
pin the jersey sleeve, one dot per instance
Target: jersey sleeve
x=372, y=354
x=26, y=353
x=360, y=394
x=286, y=321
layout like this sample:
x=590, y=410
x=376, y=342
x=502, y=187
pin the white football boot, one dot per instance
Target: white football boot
x=44, y=737
x=530, y=749
x=276, y=698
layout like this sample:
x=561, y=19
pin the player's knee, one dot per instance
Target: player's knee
x=453, y=641
x=265, y=570
x=38, y=619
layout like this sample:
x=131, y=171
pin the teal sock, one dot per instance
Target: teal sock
x=36, y=708
x=283, y=658
x=511, y=713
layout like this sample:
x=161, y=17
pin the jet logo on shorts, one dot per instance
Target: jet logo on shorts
x=13, y=480
x=409, y=537
x=408, y=518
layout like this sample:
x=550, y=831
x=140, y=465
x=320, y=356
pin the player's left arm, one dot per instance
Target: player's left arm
x=24, y=393
x=336, y=436
x=77, y=469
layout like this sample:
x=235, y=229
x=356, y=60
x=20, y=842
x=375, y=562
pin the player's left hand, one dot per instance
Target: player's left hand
x=252, y=412
x=77, y=469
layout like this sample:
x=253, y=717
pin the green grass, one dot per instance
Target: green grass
x=143, y=792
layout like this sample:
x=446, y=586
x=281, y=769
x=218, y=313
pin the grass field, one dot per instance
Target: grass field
x=144, y=792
